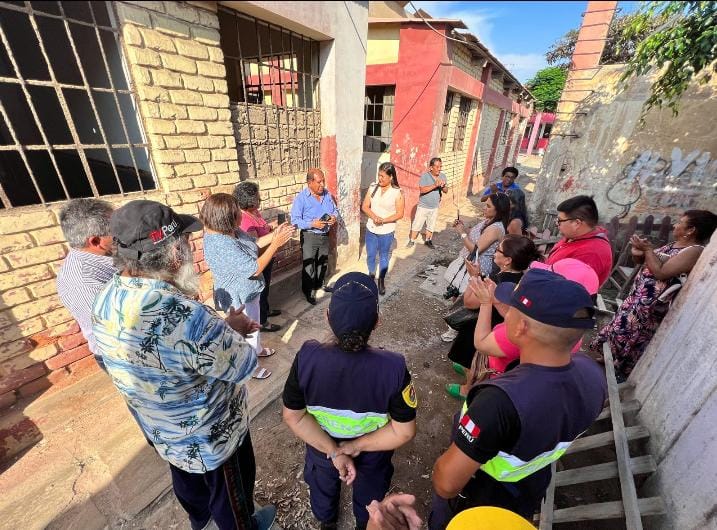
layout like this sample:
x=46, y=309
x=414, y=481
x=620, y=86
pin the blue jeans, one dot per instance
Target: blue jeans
x=380, y=243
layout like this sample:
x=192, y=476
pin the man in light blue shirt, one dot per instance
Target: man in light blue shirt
x=431, y=186
x=314, y=213
x=507, y=182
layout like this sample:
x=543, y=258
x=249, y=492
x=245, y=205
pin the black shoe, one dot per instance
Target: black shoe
x=311, y=298
x=429, y=243
x=381, y=287
x=329, y=526
x=269, y=327
x=327, y=289
x=274, y=313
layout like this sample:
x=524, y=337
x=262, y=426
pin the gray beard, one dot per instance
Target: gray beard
x=186, y=280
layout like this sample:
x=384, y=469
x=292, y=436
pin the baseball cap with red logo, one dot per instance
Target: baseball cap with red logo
x=549, y=298
x=140, y=226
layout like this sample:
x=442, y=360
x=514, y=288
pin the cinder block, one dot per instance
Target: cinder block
x=180, y=142
x=169, y=25
x=217, y=101
x=190, y=126
x=182, y=12
x=188, y=169
x=14, y=297
x=15, y=223
x=160, y=126
x=68, y=342
x=157, y=41
x=166, y=78
x=7, y=400
x=178, y=184
x=57, y=316
x=205, y=35
x=170, y=111
x=195, y=50
x=34, y=256
x=13, y=242
x=202, y=84
x=179, y=64
x=205, y=181
x=143, y=56
x=202, y=113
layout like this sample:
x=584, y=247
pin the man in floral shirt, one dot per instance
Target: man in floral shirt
x=180, y=366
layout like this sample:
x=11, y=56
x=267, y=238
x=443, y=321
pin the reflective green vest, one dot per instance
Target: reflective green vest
x=505, y=467
x=347, y=423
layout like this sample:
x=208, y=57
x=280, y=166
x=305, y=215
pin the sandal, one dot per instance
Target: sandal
x=261, y=373
x=266, y=352
x=269, y=327
x=459, y=369
x=454, y=390
x=274, y=313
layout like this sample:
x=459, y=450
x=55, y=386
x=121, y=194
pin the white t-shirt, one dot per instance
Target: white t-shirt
x=383, y=204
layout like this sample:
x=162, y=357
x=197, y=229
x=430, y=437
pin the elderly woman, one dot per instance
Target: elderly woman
x=234, y=260
x=252, y=222
x=638, y=317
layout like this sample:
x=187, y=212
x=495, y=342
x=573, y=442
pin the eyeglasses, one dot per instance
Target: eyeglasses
x=559, y=221
x=499, y=250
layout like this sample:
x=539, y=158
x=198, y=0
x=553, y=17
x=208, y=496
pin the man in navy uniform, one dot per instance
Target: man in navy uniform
x=352, y=404
x=513, y=427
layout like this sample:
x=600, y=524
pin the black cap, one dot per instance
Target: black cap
x=354, y=304
x=548, y=298
x=140, y=226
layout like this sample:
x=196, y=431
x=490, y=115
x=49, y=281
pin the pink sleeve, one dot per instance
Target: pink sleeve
x=511, y=351
x=247, y=223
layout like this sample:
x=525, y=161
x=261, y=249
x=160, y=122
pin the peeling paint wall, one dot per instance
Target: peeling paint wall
x=676, y=381
x=663, y=168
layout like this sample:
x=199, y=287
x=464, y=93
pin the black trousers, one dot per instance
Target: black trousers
x=225, y=494
x=315, y=254
x=264, y=296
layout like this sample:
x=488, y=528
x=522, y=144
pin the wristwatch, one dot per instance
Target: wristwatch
x=464, y=235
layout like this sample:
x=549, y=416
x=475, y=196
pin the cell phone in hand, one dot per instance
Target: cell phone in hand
x=281, y=218
x=325, y=218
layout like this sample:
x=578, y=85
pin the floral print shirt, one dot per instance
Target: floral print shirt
x=179, y=366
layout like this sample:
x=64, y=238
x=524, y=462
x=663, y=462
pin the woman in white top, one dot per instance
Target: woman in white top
x=384, y=206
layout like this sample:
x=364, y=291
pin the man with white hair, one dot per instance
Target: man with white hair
x=181, y=368
x=88, y=265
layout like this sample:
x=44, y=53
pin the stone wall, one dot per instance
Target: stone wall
x=663, y=168
x=490, y=115
x=461, y=57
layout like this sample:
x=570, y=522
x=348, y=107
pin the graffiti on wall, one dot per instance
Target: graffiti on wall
x=682, y=180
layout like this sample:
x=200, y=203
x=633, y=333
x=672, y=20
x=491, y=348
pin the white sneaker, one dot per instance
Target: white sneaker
x=449, y=336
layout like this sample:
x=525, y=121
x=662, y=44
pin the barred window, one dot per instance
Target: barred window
x=68, y=118
x=273, y=82
x=378, y=118
x=460, y=135
x=506, y=128
x=446, y=121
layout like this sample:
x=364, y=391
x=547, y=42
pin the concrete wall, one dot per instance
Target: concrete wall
x=663, y=168
x=382, y=46
x=176, y=65
x=676, y=382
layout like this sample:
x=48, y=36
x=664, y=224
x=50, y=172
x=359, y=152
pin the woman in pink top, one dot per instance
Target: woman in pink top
x=252, y=222
x=502, y=353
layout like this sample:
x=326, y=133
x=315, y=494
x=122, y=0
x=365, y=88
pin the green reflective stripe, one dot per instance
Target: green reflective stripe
x=347, y=423
x=509, y=468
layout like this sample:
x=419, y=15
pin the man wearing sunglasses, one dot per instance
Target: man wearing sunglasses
x=582, y=238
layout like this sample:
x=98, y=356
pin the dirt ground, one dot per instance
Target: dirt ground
x=413, y=333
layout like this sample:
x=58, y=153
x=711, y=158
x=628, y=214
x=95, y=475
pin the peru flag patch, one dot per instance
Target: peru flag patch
x=525, y=301
x=470, y=427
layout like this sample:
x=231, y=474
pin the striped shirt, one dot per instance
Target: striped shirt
x=180, y=368
x=80, y=278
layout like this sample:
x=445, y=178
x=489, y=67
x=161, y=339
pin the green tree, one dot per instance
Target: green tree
x=620, y=46
x=546, y=86
x=683, y=49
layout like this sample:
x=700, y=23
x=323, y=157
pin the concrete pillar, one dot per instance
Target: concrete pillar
x=534, y=134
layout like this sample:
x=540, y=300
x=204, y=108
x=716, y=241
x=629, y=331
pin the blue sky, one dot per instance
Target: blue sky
x=517, y=33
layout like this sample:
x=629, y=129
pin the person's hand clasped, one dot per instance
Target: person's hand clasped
x=344, y=464
x=282, y=234
x=640, y=244
x=349, y=448
x=318, y=223
x=331, y=221
x=395, y=512
x=240, y=322
x=482, y=289
x=459, y=227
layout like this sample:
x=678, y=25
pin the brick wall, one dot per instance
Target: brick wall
x=461, y=57
x=454, y=162
x=496, y=82
x=176, y=65
x=489, y=122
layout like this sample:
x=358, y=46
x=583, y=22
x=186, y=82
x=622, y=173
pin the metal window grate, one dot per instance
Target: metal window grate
x=446, y=121
x=68, y=118
x=273, y=82
x=378, y=118
x=463, y=111
x=506, y=128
